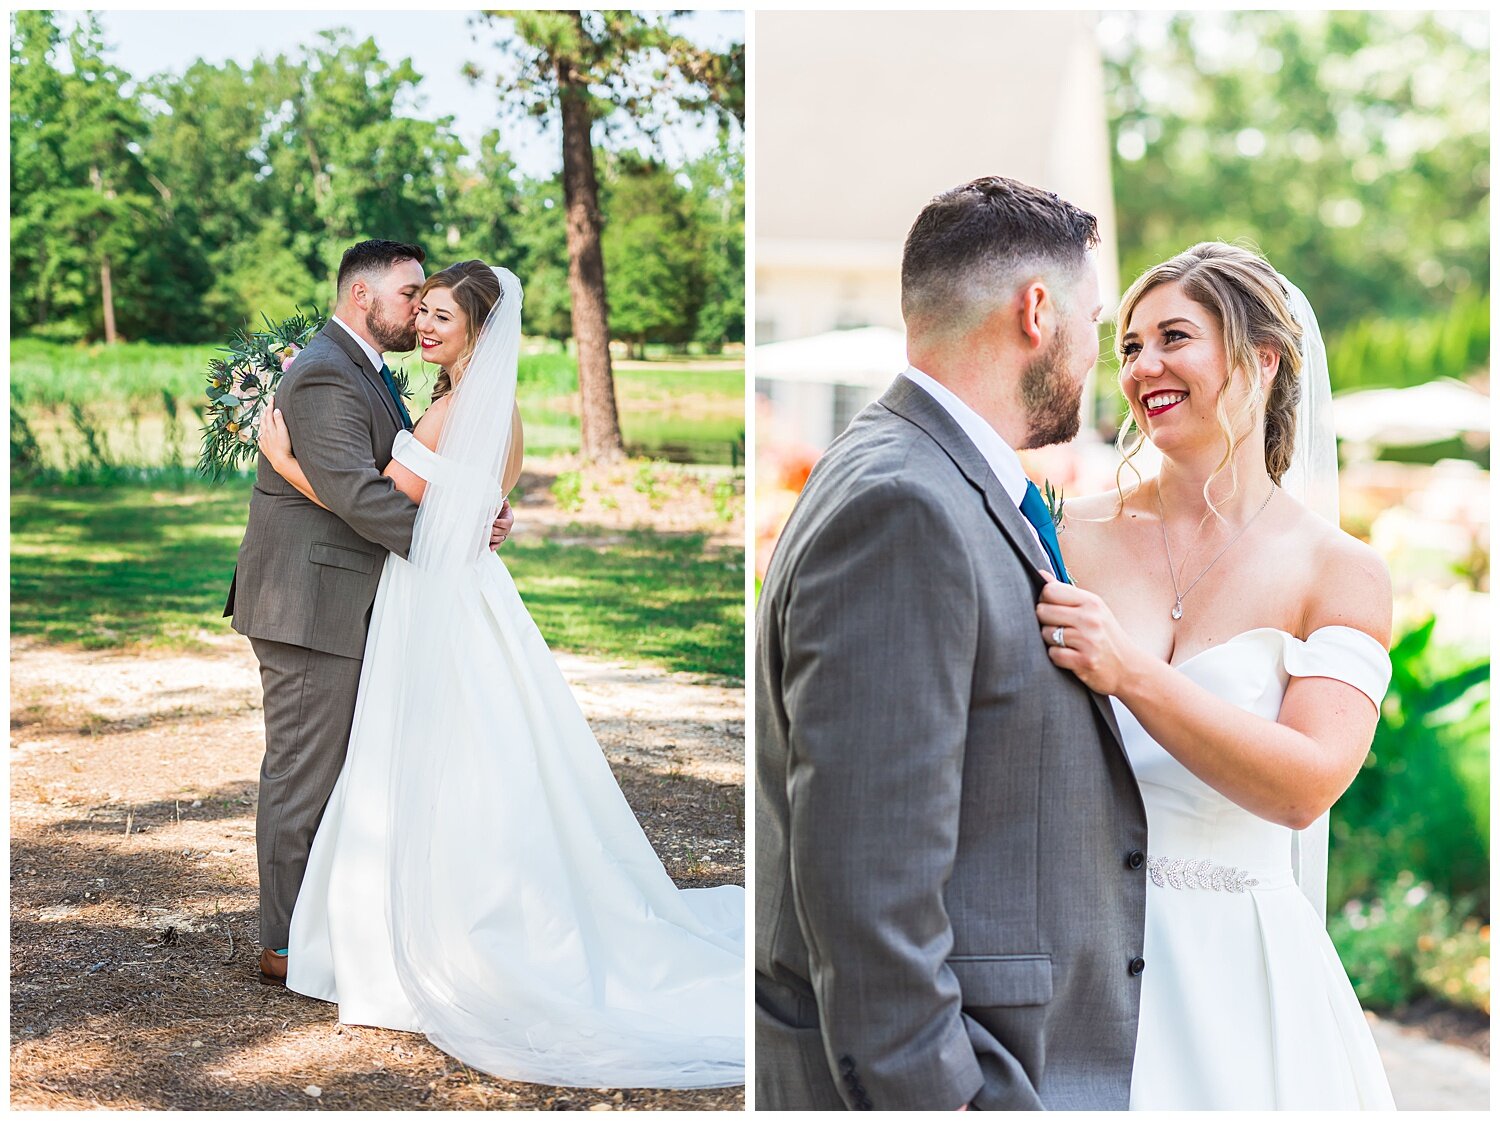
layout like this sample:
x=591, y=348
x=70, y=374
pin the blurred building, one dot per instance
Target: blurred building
x=858, y=123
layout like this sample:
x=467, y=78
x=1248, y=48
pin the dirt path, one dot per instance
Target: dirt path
x=133, y=888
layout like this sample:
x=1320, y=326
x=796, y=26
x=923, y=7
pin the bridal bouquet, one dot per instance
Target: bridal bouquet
x=239, y=384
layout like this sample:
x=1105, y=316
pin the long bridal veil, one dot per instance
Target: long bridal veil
x=533, y=928
x=1313, y=479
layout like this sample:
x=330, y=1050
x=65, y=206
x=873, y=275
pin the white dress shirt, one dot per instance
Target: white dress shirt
x=370, y=352
x=997, y=453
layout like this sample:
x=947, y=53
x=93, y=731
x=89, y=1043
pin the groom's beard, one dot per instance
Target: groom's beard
x=391, y=334
x=1049, y=397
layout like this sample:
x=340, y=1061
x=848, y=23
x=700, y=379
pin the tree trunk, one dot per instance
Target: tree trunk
x=596, y=382
x=108, y=289
x=43, y=290
x=106, y=285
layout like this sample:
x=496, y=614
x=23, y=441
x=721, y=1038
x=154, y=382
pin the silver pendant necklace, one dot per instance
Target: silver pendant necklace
x=1180, y=594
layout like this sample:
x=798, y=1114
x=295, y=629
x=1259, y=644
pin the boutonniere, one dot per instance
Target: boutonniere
x=403, y=382
x=1054, y=500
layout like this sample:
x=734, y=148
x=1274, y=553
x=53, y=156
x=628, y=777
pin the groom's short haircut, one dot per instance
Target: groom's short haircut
x=972, y=247
x=376, y=255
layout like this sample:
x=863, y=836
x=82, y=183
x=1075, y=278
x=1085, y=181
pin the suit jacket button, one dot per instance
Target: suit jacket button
x=1137, y=966
x=1135, y=859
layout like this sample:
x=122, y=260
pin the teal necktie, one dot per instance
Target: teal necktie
x=1035, y=511
x=390, y=385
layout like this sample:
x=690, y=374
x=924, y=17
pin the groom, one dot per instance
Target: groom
x=306, y=577
x=950, y=884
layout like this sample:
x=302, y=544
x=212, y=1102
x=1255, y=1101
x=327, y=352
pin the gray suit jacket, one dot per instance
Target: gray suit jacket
x=307, y=576
x=949, y=883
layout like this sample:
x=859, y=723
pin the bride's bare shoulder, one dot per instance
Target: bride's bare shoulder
x=1351, y=586
x=1095, y=519
x=1091, y=536
x=430, y=426
x=1092, y=509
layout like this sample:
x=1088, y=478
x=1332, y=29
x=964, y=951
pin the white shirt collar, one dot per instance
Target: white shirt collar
x=997, y=453
x=370, y=352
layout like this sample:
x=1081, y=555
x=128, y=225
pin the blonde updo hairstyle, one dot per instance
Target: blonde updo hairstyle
x=475, y=289
x=1244, y=293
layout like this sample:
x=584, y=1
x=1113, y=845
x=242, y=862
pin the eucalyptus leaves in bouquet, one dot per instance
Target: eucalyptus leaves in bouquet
x=239, y=384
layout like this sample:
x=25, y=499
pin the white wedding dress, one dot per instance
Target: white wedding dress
x=479, y=877
x=1244, y=1003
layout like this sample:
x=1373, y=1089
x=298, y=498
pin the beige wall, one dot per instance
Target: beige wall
x=860, y=118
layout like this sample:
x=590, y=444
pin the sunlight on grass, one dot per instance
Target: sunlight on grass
x=140, y=566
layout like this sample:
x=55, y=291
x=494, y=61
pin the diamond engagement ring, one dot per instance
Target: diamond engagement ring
x=1058, y=639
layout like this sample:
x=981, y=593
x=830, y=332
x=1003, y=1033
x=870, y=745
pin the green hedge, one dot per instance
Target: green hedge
x=1403, y=352
x=1410, y=940
x=1421, y=803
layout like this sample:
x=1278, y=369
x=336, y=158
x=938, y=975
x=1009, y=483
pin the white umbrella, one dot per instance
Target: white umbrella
x=1421, y=414
x=868, y=356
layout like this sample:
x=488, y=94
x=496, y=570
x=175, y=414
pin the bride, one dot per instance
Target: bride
x=477, y=875
x=1242, y=637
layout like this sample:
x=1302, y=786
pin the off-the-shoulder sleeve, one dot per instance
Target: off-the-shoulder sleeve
x=425, y=463
x=414, y=455
x=1344, y=654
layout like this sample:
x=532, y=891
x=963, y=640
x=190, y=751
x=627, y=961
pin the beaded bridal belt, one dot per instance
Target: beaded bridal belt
x=1201, y=875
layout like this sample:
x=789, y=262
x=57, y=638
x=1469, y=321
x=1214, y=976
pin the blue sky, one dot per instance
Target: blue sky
x=437, y=42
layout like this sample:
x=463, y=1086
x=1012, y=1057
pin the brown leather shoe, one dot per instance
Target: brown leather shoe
x=272, y=968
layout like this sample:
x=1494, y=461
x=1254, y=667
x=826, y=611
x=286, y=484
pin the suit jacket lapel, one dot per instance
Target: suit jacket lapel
x=361, y=360
x=909, y=401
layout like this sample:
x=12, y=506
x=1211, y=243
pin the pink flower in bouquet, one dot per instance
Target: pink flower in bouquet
x=289, y=355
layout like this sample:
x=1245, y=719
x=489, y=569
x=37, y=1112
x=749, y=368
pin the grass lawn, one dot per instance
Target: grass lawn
x=147, y=566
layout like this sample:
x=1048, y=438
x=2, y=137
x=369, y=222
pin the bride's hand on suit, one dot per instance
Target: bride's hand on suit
x=1083, y=635
x=275, y=441
x=1288, y=770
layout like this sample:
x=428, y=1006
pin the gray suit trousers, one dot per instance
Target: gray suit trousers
x=309, y=709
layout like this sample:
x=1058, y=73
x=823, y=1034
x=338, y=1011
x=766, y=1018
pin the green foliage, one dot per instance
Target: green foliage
x=651, y=255
x=648, y=483
x=620, y=68
x=25, y=453
x=718, y=186
x=1352, y=147
x=674, y=250
x=1421, y=801
x=543, y=237
x=83, y=206
x=1451, y=343
x=554, y=373
x=625, y=59
x=1455, y=967
x=725, y=494
x=229, y=191
x=241, y=382
x=567, y=491
x=1411, y=940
